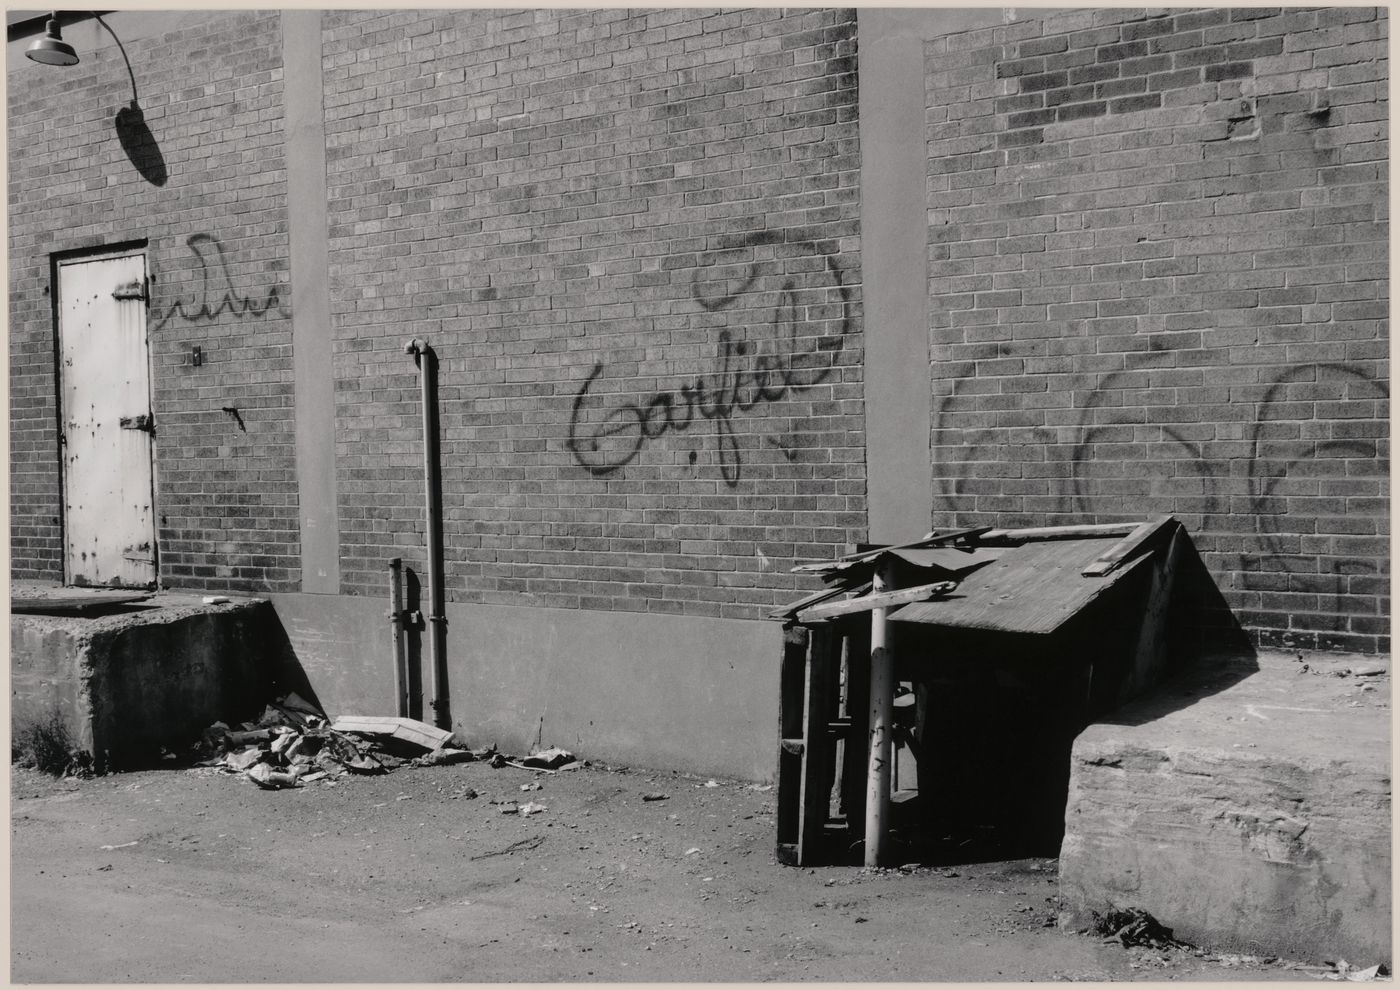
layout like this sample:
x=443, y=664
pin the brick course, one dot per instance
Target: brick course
x=631, y=238
x=213, y=215
x=1159, y=284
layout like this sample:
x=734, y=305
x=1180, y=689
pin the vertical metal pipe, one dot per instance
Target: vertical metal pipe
x=877, y=793
x=396, y=627
x=437, y=620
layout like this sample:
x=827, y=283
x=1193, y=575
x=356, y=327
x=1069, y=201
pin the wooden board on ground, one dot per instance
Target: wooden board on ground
x=407, y=729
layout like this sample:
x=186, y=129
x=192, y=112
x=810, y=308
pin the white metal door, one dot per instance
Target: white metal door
x=108, y=431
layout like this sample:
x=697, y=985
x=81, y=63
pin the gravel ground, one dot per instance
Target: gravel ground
x=192, y=875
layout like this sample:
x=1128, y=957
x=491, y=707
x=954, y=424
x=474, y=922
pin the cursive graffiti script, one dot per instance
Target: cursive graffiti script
x=208, y=303
x=744, y=376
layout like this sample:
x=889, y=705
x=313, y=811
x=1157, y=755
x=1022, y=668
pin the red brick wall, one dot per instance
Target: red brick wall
x=212, y=206
x=1158, y=253
x=631, y=238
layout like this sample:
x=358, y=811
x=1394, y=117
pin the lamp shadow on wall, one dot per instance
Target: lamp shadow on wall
x=132, y=131
x=140, y=144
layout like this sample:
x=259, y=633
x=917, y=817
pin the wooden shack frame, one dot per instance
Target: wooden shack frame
x=834, y=703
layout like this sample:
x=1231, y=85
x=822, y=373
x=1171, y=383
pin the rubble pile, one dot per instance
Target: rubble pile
x=293, y=743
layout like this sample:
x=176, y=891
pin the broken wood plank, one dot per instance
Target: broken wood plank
x=407, y=729
x=823, y=662
x=1060, y=532
x=789, y=611
x=792, y=691
x=1109, y=560
x=931, y=540
x=80, y=602
x=883, y=599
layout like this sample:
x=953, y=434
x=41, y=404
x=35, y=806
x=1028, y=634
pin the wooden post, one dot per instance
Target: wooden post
x=877, y=792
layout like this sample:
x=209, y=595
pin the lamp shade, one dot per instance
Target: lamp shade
x=51, y=49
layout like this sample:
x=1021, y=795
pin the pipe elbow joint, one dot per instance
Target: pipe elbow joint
x=415, y=346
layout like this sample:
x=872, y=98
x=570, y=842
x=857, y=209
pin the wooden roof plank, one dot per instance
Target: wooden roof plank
x=1033, y=588
x=881, y=599
x=1114, y=556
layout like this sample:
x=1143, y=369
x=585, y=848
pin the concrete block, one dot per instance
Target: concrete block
x=1246, y=809
x=127, y=684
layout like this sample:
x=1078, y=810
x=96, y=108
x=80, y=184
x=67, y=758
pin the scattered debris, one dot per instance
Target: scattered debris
x=1343, y=970
x=444, y=757
x=122, y=846
x=692, y=850
x=656, y=796
x=265, y=776
x=531, y=808
x=518, y=846
x=549, y=759
x=216, y=599
x=508, y=807
x=293, y=743
x=531, y=787
x=711, y=783
x=1134, y=926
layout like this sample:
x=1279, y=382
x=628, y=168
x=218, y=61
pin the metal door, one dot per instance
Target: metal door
x=107, y=430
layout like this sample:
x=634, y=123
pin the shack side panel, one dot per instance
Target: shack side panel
x=1158, y=284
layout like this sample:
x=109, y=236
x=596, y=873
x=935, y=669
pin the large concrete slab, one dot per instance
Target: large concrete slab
x=125, y=683
x=1246, y=809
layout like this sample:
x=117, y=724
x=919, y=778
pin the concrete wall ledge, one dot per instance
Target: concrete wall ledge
x=675, y=692
x=1247, y=810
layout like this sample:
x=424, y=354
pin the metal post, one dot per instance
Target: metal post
x=877, y=794
x=396, y=627
x=437, y=619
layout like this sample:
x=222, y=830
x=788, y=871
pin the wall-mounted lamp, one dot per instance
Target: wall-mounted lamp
x=51, y=49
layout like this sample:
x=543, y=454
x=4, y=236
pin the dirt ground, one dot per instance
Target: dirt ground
x=191, y=875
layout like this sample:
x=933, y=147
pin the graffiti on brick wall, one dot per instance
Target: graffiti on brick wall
x=796, y=352
x=1257, y=480
x=217, y=294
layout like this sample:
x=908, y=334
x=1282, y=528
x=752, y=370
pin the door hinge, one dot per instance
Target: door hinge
x=131, y=290
x=145, y=423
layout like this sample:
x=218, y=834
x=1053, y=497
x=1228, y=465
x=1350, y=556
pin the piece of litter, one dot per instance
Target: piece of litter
x=532, y=808
x=264, y=776
x=548, y=759
x=123, y=845
x=531, y=787
x=711, y=783
x=692, y=850
x=509, y=808
x=760, y=787
x=655, y=797
x=216, y=600
x=243, y=759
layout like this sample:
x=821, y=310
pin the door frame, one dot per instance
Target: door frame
x=58, y=259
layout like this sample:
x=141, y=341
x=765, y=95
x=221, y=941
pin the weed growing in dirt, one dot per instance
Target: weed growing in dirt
x=47, y=747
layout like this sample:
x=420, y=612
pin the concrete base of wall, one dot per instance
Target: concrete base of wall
x=1247, y=810
x=154, y=675
x=685, y=693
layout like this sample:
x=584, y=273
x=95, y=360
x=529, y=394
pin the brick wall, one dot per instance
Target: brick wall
x=1158, y=252
x=631, y=238
x=198, y=175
